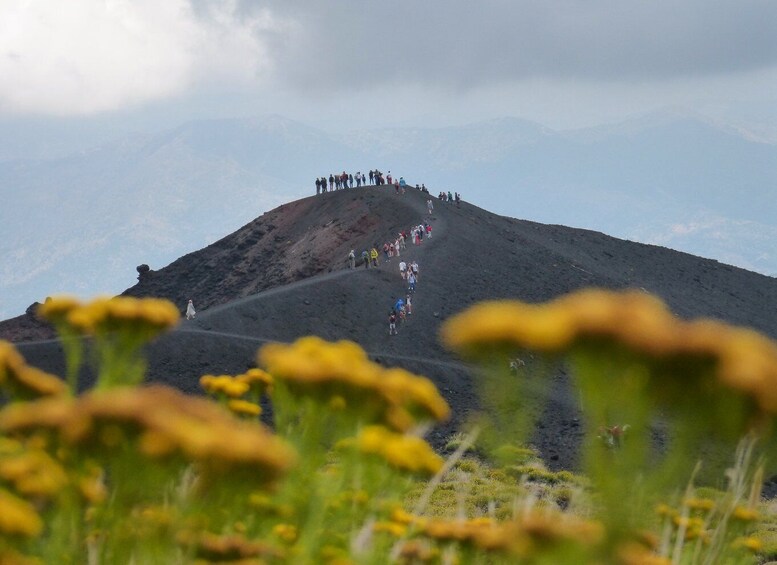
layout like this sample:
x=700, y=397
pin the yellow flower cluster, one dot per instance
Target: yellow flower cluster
x=751, y=543
x=285, y=532
x=342, y=370
x=745, y=514
x=165, y=421
x=744, y=359
x=521, y=537
x=699, y=504
x=152, y=315
x=393, y=528
x=22, y=380
x=32, y=472
x=409, y=453
x=18, y=517
x=259, y=381
x=418, y=551
x=634, y=553
x=244, y=407
x=224, y=384
x=693, y=527
x=227, y=548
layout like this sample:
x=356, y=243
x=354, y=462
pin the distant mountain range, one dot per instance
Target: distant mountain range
x=80, y=221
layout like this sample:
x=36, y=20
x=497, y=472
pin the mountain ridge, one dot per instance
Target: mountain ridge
x=284, y=275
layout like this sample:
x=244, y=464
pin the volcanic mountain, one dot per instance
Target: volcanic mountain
x=285, y=275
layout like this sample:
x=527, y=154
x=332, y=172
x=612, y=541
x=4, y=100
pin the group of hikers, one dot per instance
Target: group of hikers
x=371, y=258
x=448, y=197
x=404, y=307
x=339, y=181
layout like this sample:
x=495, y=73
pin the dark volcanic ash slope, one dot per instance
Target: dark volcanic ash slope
x=282, y=277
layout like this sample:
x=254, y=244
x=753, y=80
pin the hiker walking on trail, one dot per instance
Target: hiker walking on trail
x=430, y=205
x=396, y=248
x=402, y=240
x=392, y=323
x=414, y=268
x=352, y=260
x=429, y=231
x=408, y=306
x=402, y=269
x=366, y=259
x=190, y=313
x=411, y=280
x=374, y=257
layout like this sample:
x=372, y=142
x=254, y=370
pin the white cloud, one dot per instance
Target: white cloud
x=90, y=56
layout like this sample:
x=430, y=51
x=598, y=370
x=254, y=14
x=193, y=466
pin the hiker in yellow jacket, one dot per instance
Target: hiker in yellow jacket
x=374, y=256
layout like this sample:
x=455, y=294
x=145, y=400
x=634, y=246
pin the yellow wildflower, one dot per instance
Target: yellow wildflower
x=394, y=528
x=636, y=554
x=33, y=473
x=257, y=379
x=18, y=517
x=224, y=384
x=166, y=422
x=213, y=547
x=743, y=359
x=701, y=504
x=752, y=543
x=91, y=484
x=10, y=557
x=517, y=537
x=57, y=308
x=314, y=367
x=409, y=453
x=745, y=514
x=417, y=551
x=243, y=407
x=150, y=315
x=285, y=532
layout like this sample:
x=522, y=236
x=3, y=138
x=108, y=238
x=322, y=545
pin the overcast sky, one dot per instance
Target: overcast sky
x=357, y=63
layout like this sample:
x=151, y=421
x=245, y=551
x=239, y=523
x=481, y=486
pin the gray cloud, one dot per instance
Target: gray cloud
x=450, y=43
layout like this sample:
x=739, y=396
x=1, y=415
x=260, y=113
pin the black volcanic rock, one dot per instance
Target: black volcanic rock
x=284, y=275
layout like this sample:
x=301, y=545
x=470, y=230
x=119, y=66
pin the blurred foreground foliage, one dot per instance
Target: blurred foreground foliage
x=134, y=473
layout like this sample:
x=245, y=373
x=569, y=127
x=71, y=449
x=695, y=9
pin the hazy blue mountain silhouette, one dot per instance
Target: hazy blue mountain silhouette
x=81, y=222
